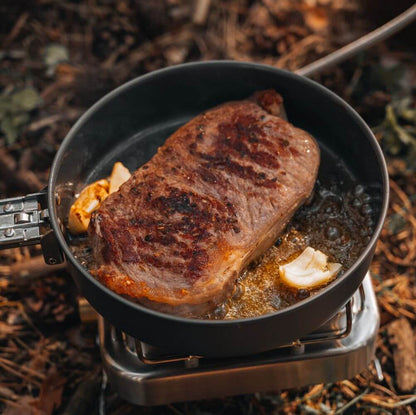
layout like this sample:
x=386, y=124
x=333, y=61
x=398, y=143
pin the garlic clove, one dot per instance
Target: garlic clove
x=333, y=267
x=320, y=260
x=89, y=200
x=303, y=260
x=91, y=197
x=119, y=175
x=309, y=270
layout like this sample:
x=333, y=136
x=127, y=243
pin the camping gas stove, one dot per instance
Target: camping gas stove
x=339, y=349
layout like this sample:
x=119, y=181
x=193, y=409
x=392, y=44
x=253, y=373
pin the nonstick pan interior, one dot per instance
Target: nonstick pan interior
x=132, y=122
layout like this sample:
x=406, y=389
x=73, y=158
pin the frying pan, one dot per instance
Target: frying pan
x=131, y=122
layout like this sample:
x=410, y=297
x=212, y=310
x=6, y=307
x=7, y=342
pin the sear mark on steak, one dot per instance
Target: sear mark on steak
x=216, y=195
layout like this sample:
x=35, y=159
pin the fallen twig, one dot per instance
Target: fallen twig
x=24, y=368
x=21, y=375
x=25, y=180
x=352, y=402
x=201, y=11
x=404, y=354
x=375, y=399
x=26, y=271
x=16, y=29
x=21, y=308
x=70, y=115
x=8, y=393
x=82, y=401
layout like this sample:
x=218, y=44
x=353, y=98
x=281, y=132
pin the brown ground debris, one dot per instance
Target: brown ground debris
x=58, y=57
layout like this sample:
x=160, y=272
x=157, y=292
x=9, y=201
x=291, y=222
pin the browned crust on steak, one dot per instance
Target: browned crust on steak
x=215, y=196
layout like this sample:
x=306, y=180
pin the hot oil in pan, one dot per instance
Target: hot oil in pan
x=337, y=223
x=338, y=220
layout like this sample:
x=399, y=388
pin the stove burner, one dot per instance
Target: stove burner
x=339, y=349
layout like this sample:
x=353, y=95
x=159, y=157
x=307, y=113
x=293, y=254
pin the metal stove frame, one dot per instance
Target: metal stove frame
x=341, y=348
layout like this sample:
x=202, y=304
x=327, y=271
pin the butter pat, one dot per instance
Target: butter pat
x=309, y=270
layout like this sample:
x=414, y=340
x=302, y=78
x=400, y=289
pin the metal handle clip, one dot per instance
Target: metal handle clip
x=21, y=223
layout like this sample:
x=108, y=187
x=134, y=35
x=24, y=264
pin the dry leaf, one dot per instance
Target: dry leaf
x=50, y=396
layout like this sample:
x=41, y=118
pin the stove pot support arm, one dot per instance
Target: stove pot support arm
x=24, y=221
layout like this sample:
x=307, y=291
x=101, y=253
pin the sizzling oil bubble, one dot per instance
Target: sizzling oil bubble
x=238, y=292
x=366, y=209
x=82, y=251
x=276, y=302
x=220, y=312
x=332, y=232
x=358, y=190
x=356, y=202
x=331, y=205
x=303, y=293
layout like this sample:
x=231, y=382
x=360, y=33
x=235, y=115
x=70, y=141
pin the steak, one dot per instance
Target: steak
x=177, y=234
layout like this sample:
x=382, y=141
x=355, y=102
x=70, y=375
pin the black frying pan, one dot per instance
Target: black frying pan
x=130, y=123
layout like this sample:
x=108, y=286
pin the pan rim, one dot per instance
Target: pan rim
x=215, y=63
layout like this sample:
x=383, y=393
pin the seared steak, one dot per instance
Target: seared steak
x=215, y=196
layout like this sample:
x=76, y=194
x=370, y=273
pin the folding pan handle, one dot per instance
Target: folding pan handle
x=25, y=221
x=364, y=42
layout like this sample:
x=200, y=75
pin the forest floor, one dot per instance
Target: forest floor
x=59, y=57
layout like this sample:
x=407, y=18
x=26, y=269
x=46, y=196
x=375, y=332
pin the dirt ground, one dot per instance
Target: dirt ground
x=59, y=57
